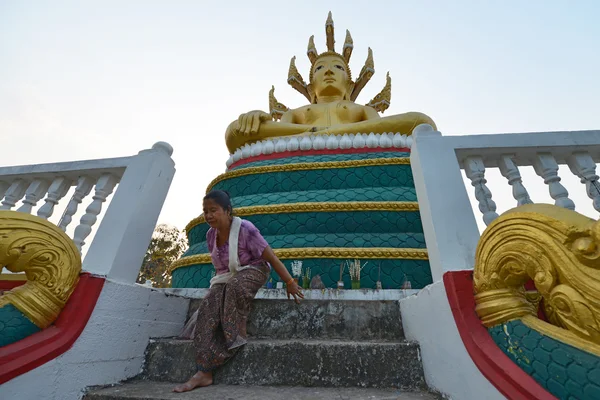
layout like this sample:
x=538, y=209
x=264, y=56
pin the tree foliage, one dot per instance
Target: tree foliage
x=167, y=244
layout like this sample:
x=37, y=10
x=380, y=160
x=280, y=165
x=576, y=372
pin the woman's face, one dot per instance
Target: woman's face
x=214, y=214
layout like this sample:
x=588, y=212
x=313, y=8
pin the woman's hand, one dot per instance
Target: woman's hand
x=294, y=290
x=247, y=124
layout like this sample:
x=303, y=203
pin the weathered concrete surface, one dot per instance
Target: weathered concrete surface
x=326, y=363
x=323, y=319
x=141, y=390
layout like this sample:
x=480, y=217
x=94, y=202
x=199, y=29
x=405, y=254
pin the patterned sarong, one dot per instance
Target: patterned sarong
x=220, y=327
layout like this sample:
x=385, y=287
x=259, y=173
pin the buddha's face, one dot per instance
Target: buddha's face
x=329, y=77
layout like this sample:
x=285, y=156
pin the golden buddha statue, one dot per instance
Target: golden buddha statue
x=331, y=93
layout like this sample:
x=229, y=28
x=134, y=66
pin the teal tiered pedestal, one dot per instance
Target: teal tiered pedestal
x=324, y=209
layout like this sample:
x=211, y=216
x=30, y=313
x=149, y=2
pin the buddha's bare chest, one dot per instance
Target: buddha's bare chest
x=332, y=114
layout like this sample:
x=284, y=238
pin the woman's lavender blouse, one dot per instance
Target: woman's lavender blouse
x=251, y=245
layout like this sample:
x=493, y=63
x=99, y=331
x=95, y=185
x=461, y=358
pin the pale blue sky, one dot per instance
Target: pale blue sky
x=82, y=80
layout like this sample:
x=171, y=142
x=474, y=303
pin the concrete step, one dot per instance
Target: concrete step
x=144, y=390
x=323, y=363
x=323, y=319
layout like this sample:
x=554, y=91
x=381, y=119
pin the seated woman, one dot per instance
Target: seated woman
x=240, y=255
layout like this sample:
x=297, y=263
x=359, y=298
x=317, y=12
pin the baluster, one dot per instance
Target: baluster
x=3, y=187
x=583, y=165
x=36, y=190
x=58, y=189
x=84, y=187
x=475, y=171
x=510, y=171
x=104, y=188
x=546, y=167
x=14, y=193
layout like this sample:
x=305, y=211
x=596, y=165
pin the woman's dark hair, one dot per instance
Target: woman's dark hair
x=221, y=197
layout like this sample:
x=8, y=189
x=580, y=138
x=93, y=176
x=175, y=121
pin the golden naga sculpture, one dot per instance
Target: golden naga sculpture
x=331, y=93
x=49, y=259
x=559, y=250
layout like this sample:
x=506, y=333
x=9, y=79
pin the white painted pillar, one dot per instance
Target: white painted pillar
x=449, y=224
x=123, y=236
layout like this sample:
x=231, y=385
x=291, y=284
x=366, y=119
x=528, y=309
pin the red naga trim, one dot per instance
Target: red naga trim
x=41, y=347
x=501, y=371
x=285, y=154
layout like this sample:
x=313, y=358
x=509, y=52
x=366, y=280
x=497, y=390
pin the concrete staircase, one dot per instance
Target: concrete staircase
x=317, y=350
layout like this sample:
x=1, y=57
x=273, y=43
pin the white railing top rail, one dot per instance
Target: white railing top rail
x=526, y=146
x=73, y=168
x=437, y=161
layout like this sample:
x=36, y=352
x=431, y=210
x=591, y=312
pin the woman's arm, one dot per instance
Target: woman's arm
x=291, y=285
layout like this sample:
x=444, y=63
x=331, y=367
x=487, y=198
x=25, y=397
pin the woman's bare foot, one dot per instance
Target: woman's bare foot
x=200, y=379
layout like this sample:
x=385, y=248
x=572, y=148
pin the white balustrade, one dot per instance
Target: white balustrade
x=451, y=230
x=546, y=167
x=84, y=187
x=3, y=187
x=104, y=187
x=14, y=193
x=476, y=173
x=510, y=171
x=125, y=229
x=36, y=190
x=582, y=164
x=58, y=189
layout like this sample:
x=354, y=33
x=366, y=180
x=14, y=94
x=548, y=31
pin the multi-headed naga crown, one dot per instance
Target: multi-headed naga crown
x=380, y=102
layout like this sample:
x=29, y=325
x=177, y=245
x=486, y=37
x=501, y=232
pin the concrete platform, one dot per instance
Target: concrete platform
x=144, y=390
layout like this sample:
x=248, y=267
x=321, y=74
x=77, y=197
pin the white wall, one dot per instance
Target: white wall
x=448, y=368
x=111, y=347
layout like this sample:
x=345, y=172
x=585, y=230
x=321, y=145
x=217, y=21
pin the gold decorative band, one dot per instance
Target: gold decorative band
x=317, y=207
x=322, y=252
x=308, y=166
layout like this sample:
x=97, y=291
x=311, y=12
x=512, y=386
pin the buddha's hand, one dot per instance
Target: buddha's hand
x=247, y=124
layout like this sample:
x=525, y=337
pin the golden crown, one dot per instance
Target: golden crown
x=380, y=102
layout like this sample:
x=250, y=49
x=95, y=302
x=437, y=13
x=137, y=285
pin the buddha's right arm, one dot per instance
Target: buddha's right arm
x=267, y=129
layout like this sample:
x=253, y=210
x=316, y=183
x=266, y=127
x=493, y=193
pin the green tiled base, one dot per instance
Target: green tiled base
x=563, y=370
x=324, y=226
x=14, y=325
x=319, y=179
x=364, y=240
x=356, y=229
x=312, y=196
x=393, y=273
